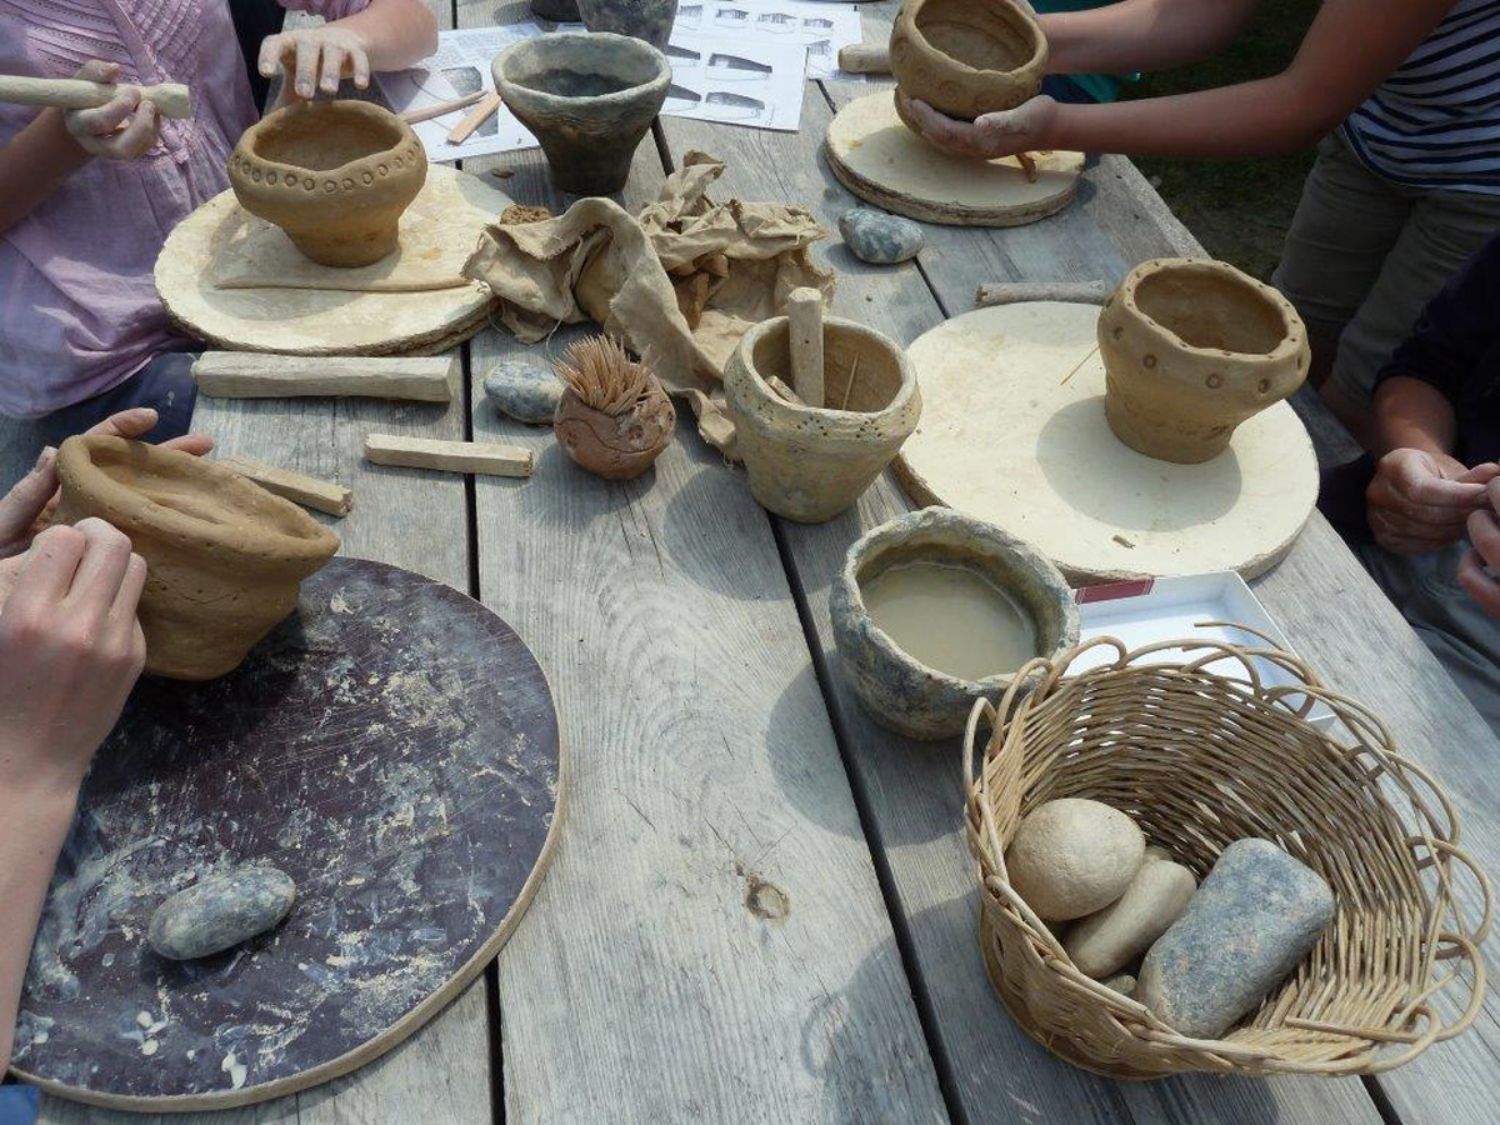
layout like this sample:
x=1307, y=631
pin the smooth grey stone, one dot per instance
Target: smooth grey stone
x=220, y=911
x=1254, y=918
x=873, y=236
x=525, y=388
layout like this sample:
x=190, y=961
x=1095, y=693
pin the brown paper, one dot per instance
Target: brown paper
x=680, y=284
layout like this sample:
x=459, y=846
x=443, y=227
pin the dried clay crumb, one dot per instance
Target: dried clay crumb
x=518, y=213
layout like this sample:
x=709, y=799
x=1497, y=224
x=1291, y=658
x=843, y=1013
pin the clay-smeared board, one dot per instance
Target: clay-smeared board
x=393, y=747
x=883, y=162
x=323, y=322
x=1013, y=432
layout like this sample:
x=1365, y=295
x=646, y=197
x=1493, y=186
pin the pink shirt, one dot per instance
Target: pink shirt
x=78, y=310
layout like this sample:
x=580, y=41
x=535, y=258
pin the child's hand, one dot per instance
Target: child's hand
x=123, y=128
x=70, y=651
x=315, y=58
x=1006, y=133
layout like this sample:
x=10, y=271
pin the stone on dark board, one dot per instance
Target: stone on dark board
x=1256, y=915
x=221, y=911
x=524, y=388
x=881, y=239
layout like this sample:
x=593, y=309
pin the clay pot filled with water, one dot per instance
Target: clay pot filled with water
x=588, y=98
x=966, y=59
x=1192, y=349
x=810, y=463
x=335, y=176
x=935, y=610
x=224, y=557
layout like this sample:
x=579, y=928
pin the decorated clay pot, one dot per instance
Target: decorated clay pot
x=224, y=557
x=810, y=463
x=902, y=692
x=965, y=59
x=335, y=176
x=1191, y=349
x=588, y=98
x=615, y=446
x=650, y=20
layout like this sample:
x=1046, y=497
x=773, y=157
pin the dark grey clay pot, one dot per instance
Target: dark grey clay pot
x=650, y=20
x=558, y=11
x=588, y=98
x=901, y=693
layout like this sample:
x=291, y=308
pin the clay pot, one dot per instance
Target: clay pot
x=900, y=692
x=615, y=446
x=1191, y=349
x=224, y=557
x=810, y=463
x=558, y=11
x=966, y=59
x=649, y=20
x=335, y=176
x=588, y=98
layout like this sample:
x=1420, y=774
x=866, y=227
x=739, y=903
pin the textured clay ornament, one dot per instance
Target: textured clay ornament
x=614, y=419
x=224, y=557
x=1191, y=349
x=966, y=59
x=335, y=176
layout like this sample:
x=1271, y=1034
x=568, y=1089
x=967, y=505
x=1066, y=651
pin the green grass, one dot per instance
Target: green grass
x=1238, y=209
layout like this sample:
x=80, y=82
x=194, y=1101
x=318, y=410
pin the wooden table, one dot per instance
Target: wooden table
x=762, y=908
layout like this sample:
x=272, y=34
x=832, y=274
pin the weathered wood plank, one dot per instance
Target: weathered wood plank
x=911, y=793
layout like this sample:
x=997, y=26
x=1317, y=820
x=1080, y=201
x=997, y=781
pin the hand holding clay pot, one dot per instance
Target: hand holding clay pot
x=225, y=557
x=1191, y=349
x=335, y=176
x=1006, y=132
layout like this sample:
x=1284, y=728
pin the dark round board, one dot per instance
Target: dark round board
x=392, y=747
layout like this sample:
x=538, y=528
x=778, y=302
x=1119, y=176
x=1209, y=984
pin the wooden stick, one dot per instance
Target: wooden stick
x=264, y=375
x=334, y=499
x=483, y=110
x=172, y=98
x=427, y=113
x=804, y=315
x=865, y=58
x=786, y=392
x=1020, y=292
x=450, y=456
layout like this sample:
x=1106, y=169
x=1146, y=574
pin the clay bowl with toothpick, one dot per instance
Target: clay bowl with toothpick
x=614, y=418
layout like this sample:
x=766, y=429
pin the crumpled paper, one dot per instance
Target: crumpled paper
x=681, y=283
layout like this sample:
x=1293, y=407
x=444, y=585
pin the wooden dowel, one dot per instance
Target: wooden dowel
x=265, y=375
x=483, y=110
x=334, y=499
x=449, y=456
x=1020, y=292
x=804, y=311
x=172, y=98
x=865, y=58
x=427, y=113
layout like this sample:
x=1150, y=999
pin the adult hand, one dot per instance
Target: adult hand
x=27, y=508
x=1484, y=533
x=1419, y=501
x=123, y=128
x=1005, y=133
x=315, y=58
x=70, y=651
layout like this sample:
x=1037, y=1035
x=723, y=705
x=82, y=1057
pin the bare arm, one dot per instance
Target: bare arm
x=1141, y=34
x=387, y=35
x=1412, y=414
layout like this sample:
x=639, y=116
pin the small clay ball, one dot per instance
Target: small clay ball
x=1072, y=856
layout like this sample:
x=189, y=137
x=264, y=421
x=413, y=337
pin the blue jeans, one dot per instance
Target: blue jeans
x=165, y=384
x=1061, y=88
x=18, y=1104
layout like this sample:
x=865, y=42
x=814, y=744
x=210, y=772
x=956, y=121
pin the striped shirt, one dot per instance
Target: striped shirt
x=1435, y=122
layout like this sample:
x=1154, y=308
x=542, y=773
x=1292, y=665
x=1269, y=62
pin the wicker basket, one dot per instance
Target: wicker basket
x=1200, y=759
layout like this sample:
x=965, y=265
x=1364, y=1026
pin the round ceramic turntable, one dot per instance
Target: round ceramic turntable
x=1013, y=432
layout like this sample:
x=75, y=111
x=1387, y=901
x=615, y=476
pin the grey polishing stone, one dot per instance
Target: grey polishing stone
x=873, y=236
x=220, y=911
x=1254, y=918
x=525, y=388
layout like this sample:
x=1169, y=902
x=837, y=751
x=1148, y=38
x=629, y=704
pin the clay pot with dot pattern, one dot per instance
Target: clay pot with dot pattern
x=335, y=176
x=966, y=59
x=1192, y=349
x=810, y=463
x=224, y=558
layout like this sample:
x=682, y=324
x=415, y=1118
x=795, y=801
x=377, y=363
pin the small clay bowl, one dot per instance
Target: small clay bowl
x=615, y=446
x=1192, y=348
x=901, y=693
x=966, y=59
x=335, y=176
x=588, y=98
x=224, y=557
